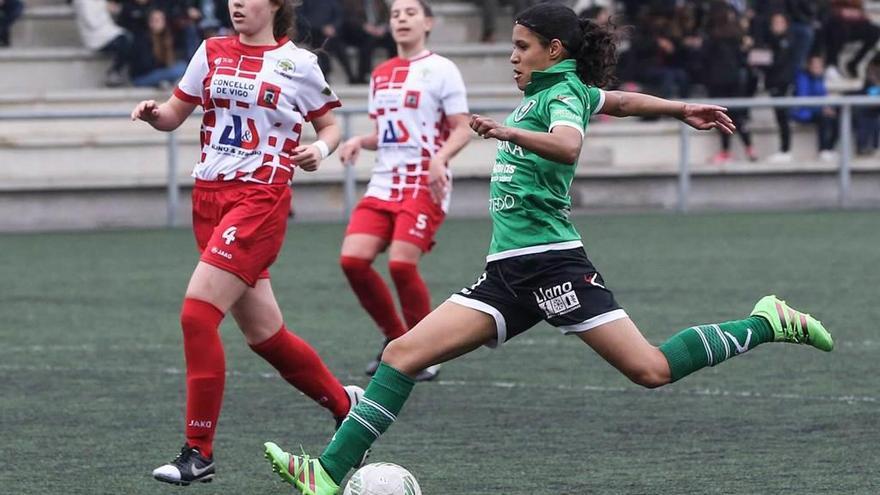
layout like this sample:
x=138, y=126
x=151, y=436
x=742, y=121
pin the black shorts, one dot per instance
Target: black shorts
x=562, y=288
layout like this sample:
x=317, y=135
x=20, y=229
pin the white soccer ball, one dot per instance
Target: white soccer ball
x=382, y=478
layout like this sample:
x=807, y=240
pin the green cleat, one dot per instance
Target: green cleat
x=790, y=325
x=301, y=471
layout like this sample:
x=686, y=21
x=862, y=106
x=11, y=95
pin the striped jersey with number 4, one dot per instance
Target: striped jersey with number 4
x=256, y=99
x=410, y=100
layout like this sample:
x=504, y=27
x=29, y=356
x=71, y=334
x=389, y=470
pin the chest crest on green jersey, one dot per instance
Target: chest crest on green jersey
x=524, y=110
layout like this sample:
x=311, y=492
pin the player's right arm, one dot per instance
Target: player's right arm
x=351, y=149
x=165, y=117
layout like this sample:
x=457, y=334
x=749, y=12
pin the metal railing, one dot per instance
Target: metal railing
x=844, y=103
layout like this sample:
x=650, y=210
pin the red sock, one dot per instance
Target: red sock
x=205, y=372
x=299, y=364
x=414, y=296
x=373, y=294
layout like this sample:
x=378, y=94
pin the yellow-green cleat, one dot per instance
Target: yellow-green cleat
x=301, y=471
x=790, y=325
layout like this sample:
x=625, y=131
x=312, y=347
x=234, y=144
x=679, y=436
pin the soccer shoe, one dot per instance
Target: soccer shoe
x=301, y=471
x=189, y=466
x=373, y=365
x=355, y=394
x=790, y=325
x=428, y=374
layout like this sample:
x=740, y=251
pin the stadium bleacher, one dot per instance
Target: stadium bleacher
x=47, y=69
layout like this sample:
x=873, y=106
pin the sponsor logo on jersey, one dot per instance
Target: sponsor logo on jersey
x=524, y=110
x=234, y=88
x=411, y=100
x=503, y=172
x=223, y=61
x=237, y=136
x=557, y=300
x=395, y=132
x=501, y=203
x=511, y=148
x=285, y=68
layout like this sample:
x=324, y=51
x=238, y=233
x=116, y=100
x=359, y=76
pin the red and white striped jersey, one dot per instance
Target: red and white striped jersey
x=256, y=99
x=410, y=100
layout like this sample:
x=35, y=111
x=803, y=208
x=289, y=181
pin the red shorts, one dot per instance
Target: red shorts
x=239, y=227
x=414, y=220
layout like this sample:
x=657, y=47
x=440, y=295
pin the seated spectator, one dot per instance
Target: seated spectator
x=183, y=17
x=811, y=82
x=365, y=26
x=319, y=23
x=10, y=10
x=867, y=119
x=100, y=33
x=849, y=22
x=154, y=60
x=655, y=54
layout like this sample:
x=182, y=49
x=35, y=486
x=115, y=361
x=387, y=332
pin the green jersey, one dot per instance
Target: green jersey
x=528, y=200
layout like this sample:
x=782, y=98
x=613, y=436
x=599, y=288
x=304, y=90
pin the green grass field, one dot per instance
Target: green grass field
x=91, y=384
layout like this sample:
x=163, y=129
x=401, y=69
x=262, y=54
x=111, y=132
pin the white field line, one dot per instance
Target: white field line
x=677, y=391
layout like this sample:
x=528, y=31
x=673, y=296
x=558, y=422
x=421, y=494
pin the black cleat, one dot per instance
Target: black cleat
x=187, y=467
x=428, y=374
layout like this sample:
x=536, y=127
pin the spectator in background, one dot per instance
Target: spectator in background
x=215, y=18
x=849, y=22
x=183, y=17
x=365, y=26
x=490, y=10
x=726, y=74
x=779, y=79
x=655, y=53
x=867, y=119
x=803, y=16
x=98, y=32
x=320, y=22
x=10, y=10
x=811, y=82
x=154, y=60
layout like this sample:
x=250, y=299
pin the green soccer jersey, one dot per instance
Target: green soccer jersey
x=529, y=201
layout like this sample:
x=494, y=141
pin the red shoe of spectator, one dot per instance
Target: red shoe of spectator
x=721, y=158
x=752, y=154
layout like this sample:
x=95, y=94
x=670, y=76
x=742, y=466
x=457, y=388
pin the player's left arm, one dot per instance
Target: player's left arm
x=308, y=157
x=459, y=136
x=698, y=116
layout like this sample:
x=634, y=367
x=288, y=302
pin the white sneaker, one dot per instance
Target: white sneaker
x=828, y=156
x=780, y=157
x=832, y=75
x=428, y=374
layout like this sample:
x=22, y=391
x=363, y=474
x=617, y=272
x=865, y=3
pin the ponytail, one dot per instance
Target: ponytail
x=597, y=56
x=592, y=46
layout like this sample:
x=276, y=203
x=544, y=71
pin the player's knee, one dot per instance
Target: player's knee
x=400, y=355
x=354, y=266
x=649, y=376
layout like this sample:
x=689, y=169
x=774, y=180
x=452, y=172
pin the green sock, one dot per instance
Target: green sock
x=382, y=401
x=707, y=345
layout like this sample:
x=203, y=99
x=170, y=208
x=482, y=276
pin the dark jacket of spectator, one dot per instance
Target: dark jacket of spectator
x=315, y=14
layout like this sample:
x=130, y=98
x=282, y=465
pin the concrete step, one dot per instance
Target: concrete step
x=46, y=26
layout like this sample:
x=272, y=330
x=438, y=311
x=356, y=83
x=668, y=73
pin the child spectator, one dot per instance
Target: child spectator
x=779, y=79
x=867, y=119
x=811, y=82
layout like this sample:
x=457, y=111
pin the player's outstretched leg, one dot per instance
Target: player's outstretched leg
x=772, y=320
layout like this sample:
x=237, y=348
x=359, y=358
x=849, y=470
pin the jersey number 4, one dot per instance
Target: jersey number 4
x=391, y=135
x=234, y=135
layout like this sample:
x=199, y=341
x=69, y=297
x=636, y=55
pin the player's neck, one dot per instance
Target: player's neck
x=261, y=38
x=411, y=52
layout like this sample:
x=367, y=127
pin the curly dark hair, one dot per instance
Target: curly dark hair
x=594, y=47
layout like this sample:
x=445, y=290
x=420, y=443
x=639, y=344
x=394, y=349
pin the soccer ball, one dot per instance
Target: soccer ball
x=382, y=478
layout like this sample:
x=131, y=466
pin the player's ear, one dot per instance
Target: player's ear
x=429, y=24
